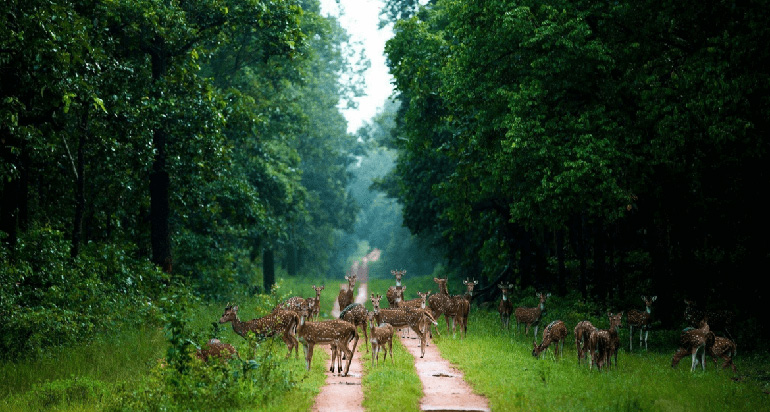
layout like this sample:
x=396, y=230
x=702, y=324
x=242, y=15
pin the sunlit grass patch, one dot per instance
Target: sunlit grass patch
x=391, y=385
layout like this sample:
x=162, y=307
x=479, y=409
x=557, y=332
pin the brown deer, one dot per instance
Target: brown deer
x=616, y=321
x=691, y=341
x=291, y=303
x=599, y=342
x=554, y=334
x=216, y=349
x=724, y=348
x=583, y=332
x=531, y=316
x=335, y=332
x=416, y=319
x=505, y=307
x=465, y=311
x=381, y=340
x=392, y=293
x=315, y=310
x=641, y=320
x=443, y=304
x=279, y=321
x=345, y=297
x=355, y=313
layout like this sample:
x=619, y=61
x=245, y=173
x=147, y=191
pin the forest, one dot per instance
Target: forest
x=156, y=155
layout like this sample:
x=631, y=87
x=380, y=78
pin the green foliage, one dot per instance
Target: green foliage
x=52, y=299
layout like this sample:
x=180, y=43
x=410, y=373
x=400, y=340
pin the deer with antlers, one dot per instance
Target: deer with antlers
x=381, y=339
x=641, y=320
x=505, y=307
x=335, y=332
x=393, y=292
x=691, y=341
x=531, y=316
x=345, y=296
x=583, y=331
x=416, y=319
x=554, y=333
x=279, y=321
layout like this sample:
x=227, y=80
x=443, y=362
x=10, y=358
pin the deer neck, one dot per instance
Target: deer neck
x=398, y=282
x=648, y=309
x=239, y=327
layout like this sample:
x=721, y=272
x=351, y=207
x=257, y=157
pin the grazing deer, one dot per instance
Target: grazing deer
x=531, y=316
x=337, y=333
x=345, y=297
x=583, y=332
x=279, y=321
x=382, y=339
x=719, y=320
x=216, y=349
x=416, y=319
x=392, y=291
x=691, y=341
x=725, y=349
x=554, y=334
x=315, y=310
x=505, y=307
x=355, y=313
x=640, y=319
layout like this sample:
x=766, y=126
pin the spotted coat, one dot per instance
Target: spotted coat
x=279, y=321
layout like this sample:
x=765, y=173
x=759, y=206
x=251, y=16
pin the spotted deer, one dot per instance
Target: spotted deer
x=355, y=313
x=554, y=333
x=381, y=339
x=416, y=319
x=216, y=349
x=335, y=332
x=691, y=341
x=315, y=310
x=505, y=307
x=345, y=296
x=392, y=291
x=279, y=321
x=599, y=342
x=290, y=303
x=531, y=316
x=443, y=304
x=616, y=321
x=466, y=309
x=640, y=319
x=583, y=331
x=723, y=348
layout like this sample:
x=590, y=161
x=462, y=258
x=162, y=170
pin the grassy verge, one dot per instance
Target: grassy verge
x=391, y=385
x=499, y=365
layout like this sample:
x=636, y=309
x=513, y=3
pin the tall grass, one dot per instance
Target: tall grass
x=499, y=365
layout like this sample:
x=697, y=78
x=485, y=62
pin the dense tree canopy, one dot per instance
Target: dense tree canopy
x=614, y=148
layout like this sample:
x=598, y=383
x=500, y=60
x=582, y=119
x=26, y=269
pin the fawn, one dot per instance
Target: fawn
x=382, y=339
x=691, y=341
x=392, y=293
x=725, y=349
x=398, y=318
x=583, y=331
x=216, y=349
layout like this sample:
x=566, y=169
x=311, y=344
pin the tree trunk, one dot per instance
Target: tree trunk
x=268, y=270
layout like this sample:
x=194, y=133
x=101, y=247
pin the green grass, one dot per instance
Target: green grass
x=499, y=365
x=391, y=385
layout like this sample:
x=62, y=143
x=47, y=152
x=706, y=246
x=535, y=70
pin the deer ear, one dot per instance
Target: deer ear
x=654, y=298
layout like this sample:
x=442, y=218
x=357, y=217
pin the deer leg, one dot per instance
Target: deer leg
x=308, y=354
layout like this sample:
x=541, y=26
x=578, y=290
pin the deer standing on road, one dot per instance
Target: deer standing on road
x=345, y=297
x=279, y=321
x=392, y=293
x=640, y=319
x=356, y=314
x=382, y=339
x=554, y=333
x=416, y=319
x=531, y=316
x=505, y=307
x=335, y=332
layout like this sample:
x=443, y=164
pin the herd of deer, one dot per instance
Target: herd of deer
x=295, y=321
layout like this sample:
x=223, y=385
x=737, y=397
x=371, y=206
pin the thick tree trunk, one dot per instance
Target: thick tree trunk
x=268, y=270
